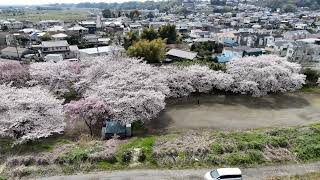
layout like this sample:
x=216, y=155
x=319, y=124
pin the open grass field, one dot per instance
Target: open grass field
x=35, y=16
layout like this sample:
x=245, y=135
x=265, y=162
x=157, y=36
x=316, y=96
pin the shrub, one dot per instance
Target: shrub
x=217, y=149
x=312, y=76
x=150, y=51
x=244, y=158
x=124, y=153
x=76, y=155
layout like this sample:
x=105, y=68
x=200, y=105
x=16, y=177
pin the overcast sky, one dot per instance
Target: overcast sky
x=37, y=2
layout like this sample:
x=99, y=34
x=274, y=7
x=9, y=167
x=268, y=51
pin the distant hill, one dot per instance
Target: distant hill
x=290, y=5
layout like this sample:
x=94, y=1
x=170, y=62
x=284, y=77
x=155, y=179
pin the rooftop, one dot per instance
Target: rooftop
x=55, y=43
x=182, y=54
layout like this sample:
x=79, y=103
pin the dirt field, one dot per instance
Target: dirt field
x=240, y=112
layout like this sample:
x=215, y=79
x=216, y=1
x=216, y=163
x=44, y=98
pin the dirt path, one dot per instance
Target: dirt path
x=192, y=174
x=240, y=112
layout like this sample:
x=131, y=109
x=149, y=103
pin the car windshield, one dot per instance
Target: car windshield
x=214, y=174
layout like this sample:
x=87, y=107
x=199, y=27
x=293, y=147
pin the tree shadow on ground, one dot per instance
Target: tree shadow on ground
x=275, y=101
x=272, y=101
x=159, y=125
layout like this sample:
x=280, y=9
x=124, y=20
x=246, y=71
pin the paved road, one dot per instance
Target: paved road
x=250, y=174
x=240, y=112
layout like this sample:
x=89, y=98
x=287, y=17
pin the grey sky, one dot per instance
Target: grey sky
x=36, y=2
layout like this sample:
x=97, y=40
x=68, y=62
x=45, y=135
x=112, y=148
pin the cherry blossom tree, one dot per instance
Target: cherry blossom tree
x=132, y=89
x=263, y=74
x=89, y=110
x=28, y=114
x=57, y=77
x=196, y=78
x=13, y=72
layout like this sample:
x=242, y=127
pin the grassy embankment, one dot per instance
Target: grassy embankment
x=216, y=149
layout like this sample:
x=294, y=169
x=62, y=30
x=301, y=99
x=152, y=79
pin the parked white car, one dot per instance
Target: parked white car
x=224, y=173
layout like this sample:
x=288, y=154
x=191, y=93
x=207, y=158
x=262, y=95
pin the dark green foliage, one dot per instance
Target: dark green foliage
x=134, y=14
x=150, y=15
x=206, y=49
x=312, y=76
x=130, y=39
x=74, y=40
x=169, y=33
x=106, y=13
x=149, y=34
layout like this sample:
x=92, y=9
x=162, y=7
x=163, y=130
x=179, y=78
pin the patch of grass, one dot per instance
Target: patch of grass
x=76, y=155
x=307, y=145
x=45, y=145
x=103, y=165
x=247, y=148
x=310, y=89
x=3, y=178
x=250, y=157
x=146, y=144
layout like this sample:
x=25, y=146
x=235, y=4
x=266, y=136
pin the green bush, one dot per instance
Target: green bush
x=146, y=144
x=312, y=76
x=279, y=142
x=244, y=158
x=76, y=155
x=308, y=152
x=217, y=148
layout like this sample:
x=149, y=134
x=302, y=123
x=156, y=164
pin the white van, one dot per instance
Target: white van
x=224, y=173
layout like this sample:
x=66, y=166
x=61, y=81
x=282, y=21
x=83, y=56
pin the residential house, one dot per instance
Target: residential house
x=57, y=47
x=306, y=54
x=14, y=52
x=99, y=51
x=294, y=35
x=45, y=24
x=90, y=25
x=77, y=30
x=198, y=33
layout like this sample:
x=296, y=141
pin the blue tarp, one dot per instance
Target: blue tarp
x=225, y=57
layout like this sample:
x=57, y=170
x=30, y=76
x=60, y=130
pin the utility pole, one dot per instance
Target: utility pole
x=15, y=41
